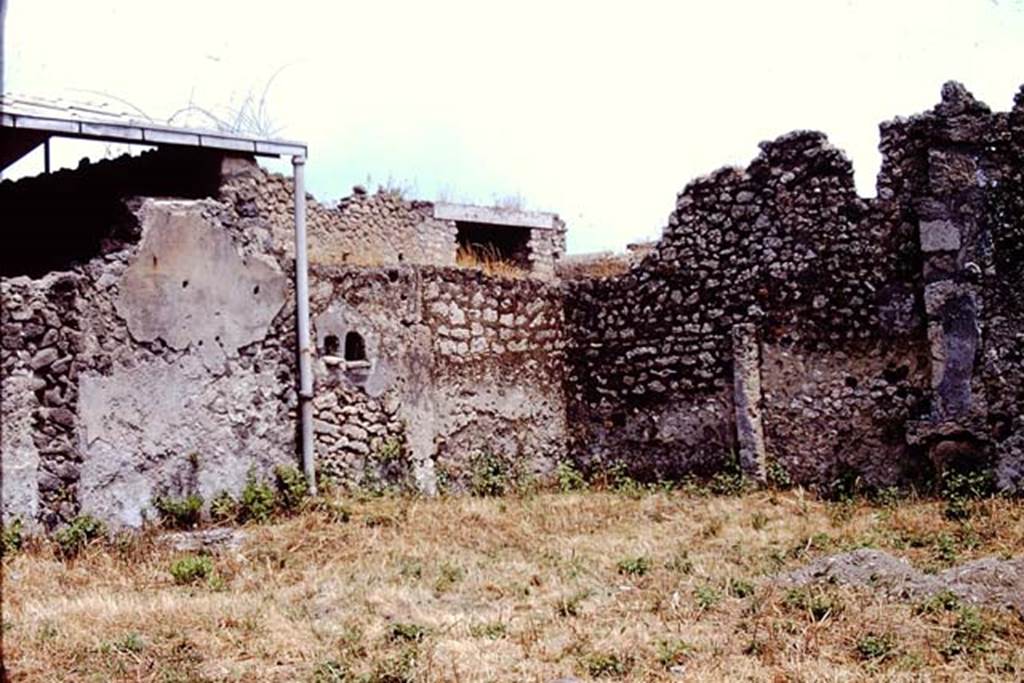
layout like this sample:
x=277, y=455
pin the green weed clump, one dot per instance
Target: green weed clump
x=331, y=671
x=180, y=513
x=191, y=569
x=82, y=530
x=570, y=478
x=961, y=489
x=223, y=507
x=605, y=665
x=494, y=630
x=260, y=500
x=11, y=538
x=129, y=643
x=970, y=634
x=706, y=597
x=449, y=575
x=876, y=647
x=818, y=605
x=739, y=588
x=943, y=601
x=622, y=482
x=572, y=605
x=413, y=633
x=292, y=487
x=390, y=451
x=673, y=652
x=634, y=566
x=491, y=475
x=257, y=502
x=778, y=476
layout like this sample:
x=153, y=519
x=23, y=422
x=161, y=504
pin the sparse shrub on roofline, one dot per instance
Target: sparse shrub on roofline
x=487, y=258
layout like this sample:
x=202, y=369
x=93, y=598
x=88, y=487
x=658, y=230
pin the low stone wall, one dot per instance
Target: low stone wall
x=458, y=366
x=383, y=228
x=363, y=229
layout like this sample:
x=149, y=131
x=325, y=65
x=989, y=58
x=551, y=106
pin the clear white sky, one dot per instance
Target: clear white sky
x=600, y=111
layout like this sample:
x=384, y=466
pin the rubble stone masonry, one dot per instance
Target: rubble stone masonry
x=782, y=323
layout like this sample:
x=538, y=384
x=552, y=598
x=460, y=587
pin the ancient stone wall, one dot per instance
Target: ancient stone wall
x=458, y=366
x=363, y=229
x=162, y=366
x=782, y=321
x=547, y=247
x=867, y=320
x=384, y=228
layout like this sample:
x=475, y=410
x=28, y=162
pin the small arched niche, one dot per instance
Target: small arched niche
x=355, y=347
x=332, y=346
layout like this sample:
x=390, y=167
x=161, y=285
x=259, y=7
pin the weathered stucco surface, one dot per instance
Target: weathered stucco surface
x=122, y=385
x=19, y=487
x=162, y=427
x=189, y=285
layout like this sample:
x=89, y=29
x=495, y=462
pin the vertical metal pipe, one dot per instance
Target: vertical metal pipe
x=302, y=301
x=46, y=155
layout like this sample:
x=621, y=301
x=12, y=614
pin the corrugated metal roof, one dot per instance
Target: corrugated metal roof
x=104, y=122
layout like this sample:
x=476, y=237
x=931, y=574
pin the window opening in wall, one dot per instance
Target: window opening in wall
x=331, y=345
x=355, y=347
x=495, y=248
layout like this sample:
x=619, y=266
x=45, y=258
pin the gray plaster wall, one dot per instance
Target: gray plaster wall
x=164, y=367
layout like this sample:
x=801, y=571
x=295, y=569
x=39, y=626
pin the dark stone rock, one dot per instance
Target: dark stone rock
x=43, y=357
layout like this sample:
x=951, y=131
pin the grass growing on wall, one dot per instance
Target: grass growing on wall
x=487, y=258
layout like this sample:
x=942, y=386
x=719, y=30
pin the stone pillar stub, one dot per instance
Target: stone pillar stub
x=746, y=350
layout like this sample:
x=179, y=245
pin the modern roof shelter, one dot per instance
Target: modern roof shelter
x=28, y=122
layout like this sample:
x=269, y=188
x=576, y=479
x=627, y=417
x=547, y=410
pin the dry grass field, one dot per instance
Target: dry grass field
x=633, y=586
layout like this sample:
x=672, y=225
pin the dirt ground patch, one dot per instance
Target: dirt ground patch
x=633, y=586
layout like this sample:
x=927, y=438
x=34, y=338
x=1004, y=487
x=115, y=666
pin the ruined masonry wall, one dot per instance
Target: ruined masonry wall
x=858, y=374
x=163, y=366
x=363, y=229
x=460, y=365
